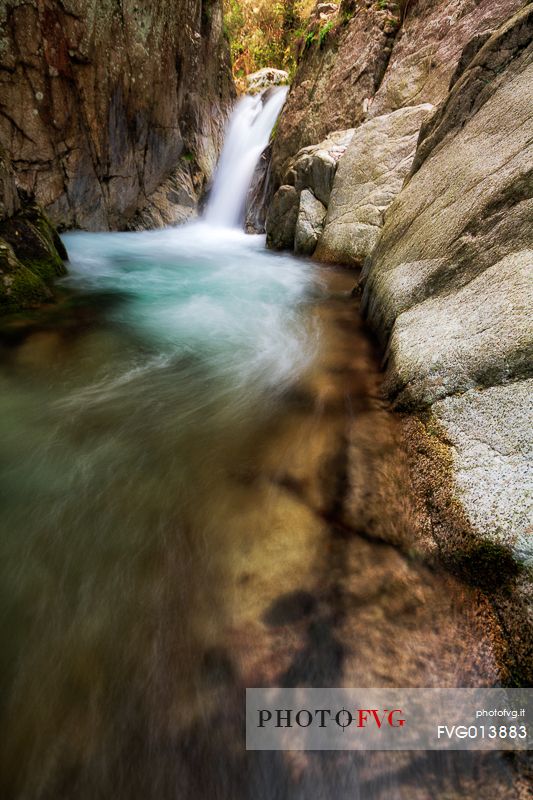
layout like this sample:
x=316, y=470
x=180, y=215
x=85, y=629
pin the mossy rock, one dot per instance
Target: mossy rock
x=31, y=256
x=485, y=563
x=20, y=287
x=35, y=242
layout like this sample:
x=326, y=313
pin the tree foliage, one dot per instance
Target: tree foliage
x=262, y=33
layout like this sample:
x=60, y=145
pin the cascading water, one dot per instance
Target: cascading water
x=248, y=133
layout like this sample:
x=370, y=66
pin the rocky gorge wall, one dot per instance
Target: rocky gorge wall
x=367, y=58
x=449, y=285
x=432, y=199
x=112, y=111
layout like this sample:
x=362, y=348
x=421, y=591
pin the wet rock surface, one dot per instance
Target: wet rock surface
x=281, y=218
x=174, y=202
x=259, y=194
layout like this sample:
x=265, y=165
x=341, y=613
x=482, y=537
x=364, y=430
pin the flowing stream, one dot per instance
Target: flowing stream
x=202, y=491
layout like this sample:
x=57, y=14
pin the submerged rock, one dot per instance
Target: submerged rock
x=309, y=223
x=368, y=178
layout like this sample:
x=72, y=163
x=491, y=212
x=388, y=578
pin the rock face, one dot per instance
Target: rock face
x=436, y=206
x=281, y=219
x=361, y=63
x=31, y=252
x=368, y=178
x=315, y=166
x=449, y=286
x=102, y=102
x=490, y=433
x=9, y=199
x=309, y=223
x=480, y=335
x=174, y=201
x=429, y=45
x=372, y=58
x=338, y=71
x=259, y=194
x=313, y=169
x=468, y=202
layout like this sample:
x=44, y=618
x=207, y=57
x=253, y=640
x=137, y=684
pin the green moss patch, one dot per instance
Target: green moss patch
x=20, y=288
x=35, y=243
x=31, y=256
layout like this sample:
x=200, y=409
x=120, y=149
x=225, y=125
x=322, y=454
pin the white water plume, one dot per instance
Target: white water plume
x=248, y=133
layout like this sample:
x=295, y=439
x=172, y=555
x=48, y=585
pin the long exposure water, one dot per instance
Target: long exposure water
x=202, y=490
x=246, y=138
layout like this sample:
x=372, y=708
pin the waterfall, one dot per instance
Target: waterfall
x=248, y=133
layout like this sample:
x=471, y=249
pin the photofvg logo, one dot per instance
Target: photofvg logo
x=304, y=717
x=388, y=719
